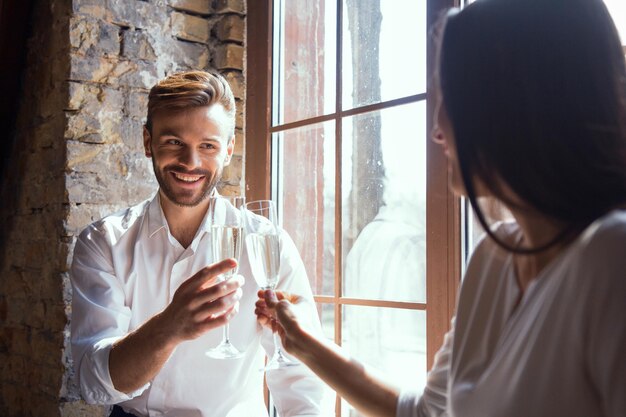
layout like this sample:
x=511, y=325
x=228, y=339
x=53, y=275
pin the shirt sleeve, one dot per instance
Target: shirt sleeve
x=434, y=400
x=296, y=390
x=99, y=318
x=606, y=311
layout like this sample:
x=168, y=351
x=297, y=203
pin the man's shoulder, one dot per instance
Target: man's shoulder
x=118, y=223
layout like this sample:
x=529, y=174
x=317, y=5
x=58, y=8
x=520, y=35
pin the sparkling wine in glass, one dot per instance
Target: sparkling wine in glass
x=226, y=242
x=263, y=246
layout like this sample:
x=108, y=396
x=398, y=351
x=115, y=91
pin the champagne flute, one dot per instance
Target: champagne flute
x=226, y=242
x=263, y=246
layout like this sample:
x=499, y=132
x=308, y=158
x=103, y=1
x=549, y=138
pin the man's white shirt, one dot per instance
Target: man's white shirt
x=126, y=269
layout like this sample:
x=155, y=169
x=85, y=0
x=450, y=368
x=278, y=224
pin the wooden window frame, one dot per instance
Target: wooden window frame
x=443, y=210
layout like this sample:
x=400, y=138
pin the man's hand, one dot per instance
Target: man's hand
x=201, y=304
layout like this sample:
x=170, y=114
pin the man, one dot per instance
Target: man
x=146, y=306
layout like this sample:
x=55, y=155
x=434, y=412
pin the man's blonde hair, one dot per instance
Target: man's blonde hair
x=188, y=90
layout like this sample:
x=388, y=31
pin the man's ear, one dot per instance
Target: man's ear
x=229, y=150
x=146, y=142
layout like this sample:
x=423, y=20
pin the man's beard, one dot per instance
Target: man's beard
x=185, y=198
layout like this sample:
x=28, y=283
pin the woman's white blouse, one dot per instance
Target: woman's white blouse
x=560, y=352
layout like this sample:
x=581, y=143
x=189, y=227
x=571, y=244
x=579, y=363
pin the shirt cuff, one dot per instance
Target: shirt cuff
x=407, y=404
x=95, y=377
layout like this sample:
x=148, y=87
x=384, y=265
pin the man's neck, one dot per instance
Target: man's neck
x=183, y=221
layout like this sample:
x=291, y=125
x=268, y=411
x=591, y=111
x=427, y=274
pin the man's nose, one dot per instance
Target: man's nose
x=191, y=158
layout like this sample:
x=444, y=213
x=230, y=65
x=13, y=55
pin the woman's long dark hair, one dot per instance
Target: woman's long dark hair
x=536, y=94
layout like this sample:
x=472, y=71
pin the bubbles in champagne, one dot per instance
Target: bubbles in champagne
x=264, y=254
x=226, y=244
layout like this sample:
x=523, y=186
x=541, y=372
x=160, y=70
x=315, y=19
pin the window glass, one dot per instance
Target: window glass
x=617, y=8
x=305, y=179
x=389, y=340
x=304, y=59
x=384, y=215
x=384, y=50
x=327, y=318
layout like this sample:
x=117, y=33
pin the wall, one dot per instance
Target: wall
x=78, y=156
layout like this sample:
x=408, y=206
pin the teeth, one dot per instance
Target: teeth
x=187, y=178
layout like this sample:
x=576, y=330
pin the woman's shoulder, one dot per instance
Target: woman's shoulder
x=603, y=243
x=488, y=260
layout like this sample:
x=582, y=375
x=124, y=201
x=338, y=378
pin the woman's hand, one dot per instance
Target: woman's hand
x=275, y=310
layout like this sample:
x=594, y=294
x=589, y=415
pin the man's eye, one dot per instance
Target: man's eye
x=173, y=142
x=209, y=146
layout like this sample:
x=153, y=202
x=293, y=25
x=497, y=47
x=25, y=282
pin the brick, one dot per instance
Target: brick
x=79, y=408
x=195, y=6
x=186, y=54
x=94, y=36
x=44, y=189
x=235, y=80
x=132, y=13
x=85, y=157
x=190, y=28
x=95, y=69
x=81, y=216
x=112, y=72
x=239, y=142
x=92, y=8
x=46, y=159
x=137, y=44
x=137, y=104
x=98, y=121
x=76, y=96
x=15, y=367
x=94, y=188
x=226, y=189
x=138, y=74
x=230, y=6
x=131, y=133
x=228, y=56
x=239, y=115
x=230, y=28
x=83, y=127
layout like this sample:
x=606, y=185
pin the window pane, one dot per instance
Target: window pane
x=306, y=197
x=617, y=8
x=384, y=50
x=384, y=206
x=327, y=318
x=304, y=59
x=392, y=341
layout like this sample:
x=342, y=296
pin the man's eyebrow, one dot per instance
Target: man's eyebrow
x=168, y=133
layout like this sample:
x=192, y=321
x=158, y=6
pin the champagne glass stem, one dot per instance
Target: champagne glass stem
x=226, y=336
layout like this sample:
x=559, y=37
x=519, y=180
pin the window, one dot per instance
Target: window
x=337, y=133
x=617, y=9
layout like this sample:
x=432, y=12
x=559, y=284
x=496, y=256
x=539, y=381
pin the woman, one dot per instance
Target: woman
x=532, y=113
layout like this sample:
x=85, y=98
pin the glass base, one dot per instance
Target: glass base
x=224, y=350
x=279, y=361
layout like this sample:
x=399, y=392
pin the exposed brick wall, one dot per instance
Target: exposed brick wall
x=79, y=156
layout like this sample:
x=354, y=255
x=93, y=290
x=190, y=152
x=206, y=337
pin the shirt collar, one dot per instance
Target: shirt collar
x=157, y=220
x=156, y=217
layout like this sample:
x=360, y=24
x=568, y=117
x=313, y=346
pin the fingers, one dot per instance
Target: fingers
x=281, y=295
x=209, y=272
x=212, y=321
x=217, y=291
x=217, y=308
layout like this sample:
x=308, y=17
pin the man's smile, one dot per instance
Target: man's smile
x=187, y=178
